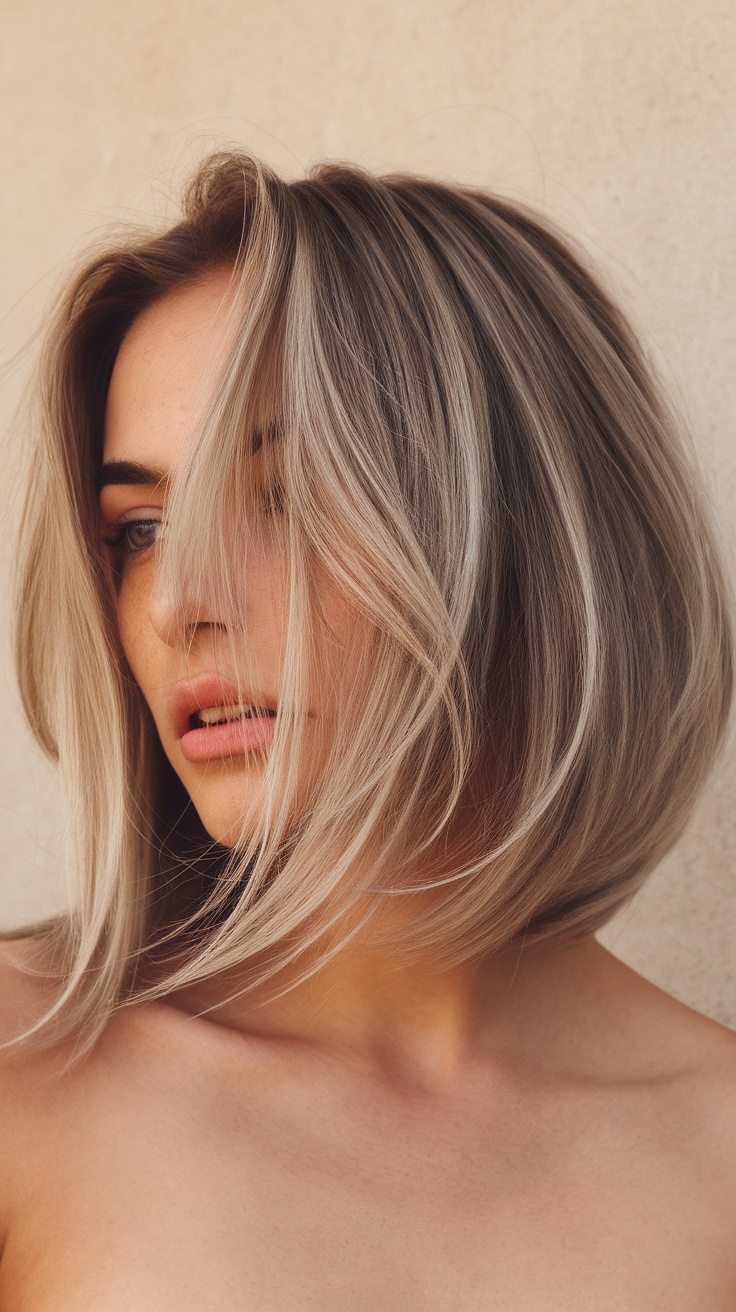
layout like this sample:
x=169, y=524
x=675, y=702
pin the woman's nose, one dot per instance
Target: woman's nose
x=176, y=620
x=165, y=614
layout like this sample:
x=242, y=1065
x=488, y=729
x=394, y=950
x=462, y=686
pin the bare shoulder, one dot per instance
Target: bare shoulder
x=23, y=989
x=690, y=1061
x=25, y=995
x=708, y=1085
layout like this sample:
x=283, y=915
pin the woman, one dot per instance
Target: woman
x=372, y=612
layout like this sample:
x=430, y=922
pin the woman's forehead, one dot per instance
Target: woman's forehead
x=168, y=364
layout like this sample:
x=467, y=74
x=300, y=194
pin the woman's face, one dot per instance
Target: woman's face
x=166, y=367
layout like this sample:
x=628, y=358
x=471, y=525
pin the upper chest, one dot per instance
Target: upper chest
x=166, y=1191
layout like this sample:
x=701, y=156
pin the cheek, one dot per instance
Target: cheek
x=266, y=606
x=134, y=627
x=346, y=650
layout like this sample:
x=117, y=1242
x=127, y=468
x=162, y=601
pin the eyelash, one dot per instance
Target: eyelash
x=119, y=540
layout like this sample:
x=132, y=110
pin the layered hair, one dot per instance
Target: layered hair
x=473, y=450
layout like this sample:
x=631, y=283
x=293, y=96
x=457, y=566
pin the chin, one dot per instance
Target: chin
x=225, y=829
x=221, y=803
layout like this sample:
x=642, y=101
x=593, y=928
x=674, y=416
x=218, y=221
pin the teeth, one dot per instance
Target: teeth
x=224, y=714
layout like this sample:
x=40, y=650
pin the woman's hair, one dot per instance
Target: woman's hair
x=472, y=450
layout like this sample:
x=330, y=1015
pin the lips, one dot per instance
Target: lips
x=228, y=735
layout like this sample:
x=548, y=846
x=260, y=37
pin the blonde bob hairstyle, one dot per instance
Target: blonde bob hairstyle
x=469, y=444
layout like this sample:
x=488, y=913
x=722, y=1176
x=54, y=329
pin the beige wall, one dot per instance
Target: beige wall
x=616, y=116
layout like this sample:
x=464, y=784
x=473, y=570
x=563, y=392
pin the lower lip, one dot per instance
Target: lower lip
x=217, y=741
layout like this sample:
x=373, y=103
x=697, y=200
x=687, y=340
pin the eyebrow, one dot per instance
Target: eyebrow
x=129, y=473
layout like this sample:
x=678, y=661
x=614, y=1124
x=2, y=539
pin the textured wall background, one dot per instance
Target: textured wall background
x=617, y=117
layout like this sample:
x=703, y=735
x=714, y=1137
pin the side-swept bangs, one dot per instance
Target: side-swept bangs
x=473, y=455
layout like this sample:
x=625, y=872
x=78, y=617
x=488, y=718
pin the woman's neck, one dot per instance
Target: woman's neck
x=412, y=1019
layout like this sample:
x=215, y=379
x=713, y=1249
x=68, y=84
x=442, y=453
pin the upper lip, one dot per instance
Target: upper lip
x=209, y=690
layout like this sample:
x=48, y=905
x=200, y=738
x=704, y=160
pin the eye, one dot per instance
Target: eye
x=134, y=536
